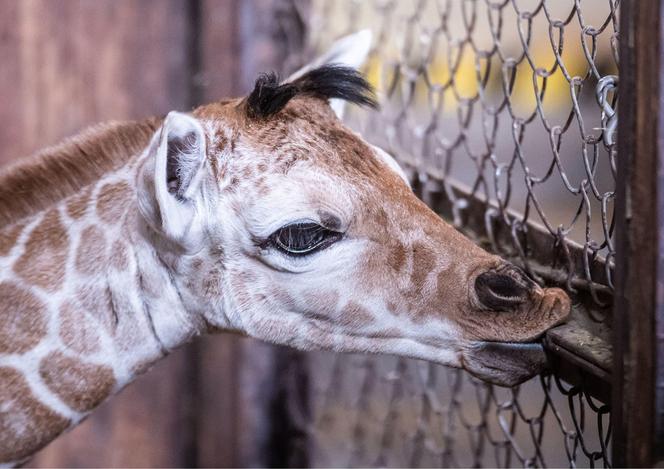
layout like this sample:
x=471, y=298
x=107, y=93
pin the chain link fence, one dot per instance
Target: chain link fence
x=503, y=114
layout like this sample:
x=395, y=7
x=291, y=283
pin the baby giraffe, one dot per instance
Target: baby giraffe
x=263, y=215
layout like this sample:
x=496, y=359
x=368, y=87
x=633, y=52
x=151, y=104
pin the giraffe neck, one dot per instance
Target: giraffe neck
x=87, y=304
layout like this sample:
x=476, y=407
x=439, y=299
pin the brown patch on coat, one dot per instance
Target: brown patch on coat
x=91, y=252
x=247, y=172
x=59, y=171
x=273, y=327
x=113, y=201
x=211, y=282
x=117, y=314
x=119, y=256
x=424, y=261
x=232, y=185
x=446, y=297
x=9, y=236
x=96, y=301
x=389, y=333
x=396, y=256
x=77, y=204
x=131, y=328
x=26, y=424
x=24, y=322
x=43, y=262
x=77, y=331
x=282, y=297
x=197, y=264
x=82, y=386
x=214, y=154
x=354, y=315
x=322, y=303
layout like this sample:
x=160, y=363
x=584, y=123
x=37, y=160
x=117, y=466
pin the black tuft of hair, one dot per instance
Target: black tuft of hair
x=326, y=82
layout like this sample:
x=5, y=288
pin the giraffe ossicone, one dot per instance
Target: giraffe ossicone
x=262, y=214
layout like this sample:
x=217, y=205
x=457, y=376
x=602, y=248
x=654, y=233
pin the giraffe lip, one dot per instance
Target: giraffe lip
x=505, y=363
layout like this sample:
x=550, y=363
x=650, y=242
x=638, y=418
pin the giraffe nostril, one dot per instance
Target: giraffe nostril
x=500, y=291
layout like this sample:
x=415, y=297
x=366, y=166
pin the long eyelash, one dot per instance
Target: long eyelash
x=302, y=238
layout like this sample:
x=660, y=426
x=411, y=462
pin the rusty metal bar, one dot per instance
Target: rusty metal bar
x=637, y=438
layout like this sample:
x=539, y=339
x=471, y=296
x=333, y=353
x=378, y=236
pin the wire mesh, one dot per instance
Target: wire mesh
x=504, y=112
x=391, y=412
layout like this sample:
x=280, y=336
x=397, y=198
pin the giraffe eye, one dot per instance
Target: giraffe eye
x=302, y=238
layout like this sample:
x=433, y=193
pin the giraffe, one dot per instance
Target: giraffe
x=263, y=215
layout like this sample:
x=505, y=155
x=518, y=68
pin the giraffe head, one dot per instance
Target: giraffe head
x=278, y=221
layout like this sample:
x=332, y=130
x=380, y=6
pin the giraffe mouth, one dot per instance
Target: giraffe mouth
x=505, y=363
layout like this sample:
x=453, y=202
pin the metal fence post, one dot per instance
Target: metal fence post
x=638, y=311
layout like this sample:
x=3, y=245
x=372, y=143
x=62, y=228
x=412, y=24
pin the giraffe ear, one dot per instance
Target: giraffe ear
x=351, y=50
x=177, y=157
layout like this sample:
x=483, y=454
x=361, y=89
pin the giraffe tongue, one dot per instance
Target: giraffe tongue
x=505, y=363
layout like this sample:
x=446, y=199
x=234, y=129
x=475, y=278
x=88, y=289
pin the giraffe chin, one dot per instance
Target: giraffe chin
x=505, y=363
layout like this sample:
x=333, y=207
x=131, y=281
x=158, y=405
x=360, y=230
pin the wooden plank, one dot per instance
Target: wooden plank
x=68, y=64
x=638, y=221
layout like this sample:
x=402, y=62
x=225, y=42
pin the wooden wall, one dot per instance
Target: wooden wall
x=70, y=63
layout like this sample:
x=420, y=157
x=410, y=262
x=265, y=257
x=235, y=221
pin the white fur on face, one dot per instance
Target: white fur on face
x=310, y=301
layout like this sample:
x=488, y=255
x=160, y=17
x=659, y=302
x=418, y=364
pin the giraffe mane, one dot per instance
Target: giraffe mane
x=329, y=81
x=56, y=172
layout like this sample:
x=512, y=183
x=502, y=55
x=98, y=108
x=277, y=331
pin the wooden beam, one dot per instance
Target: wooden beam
x=639, y=220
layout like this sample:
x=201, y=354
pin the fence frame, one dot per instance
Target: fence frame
x=638, y=325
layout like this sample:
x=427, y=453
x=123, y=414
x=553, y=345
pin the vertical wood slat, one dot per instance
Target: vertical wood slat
x=636, y=438
x=68, y=64
x=658, y=313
